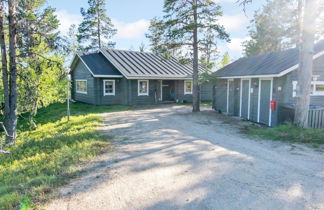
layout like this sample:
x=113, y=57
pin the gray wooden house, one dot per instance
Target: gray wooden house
x=247, y=87
x=119, y=77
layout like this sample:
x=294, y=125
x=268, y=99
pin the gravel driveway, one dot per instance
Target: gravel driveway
x=166, y=157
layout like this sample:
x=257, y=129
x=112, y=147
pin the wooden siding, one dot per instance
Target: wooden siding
x=81, y=72
x=120, y=97
x=254, y=100
x=316, y=118
x=206, y=91
x=135, y=99
x=220, y=99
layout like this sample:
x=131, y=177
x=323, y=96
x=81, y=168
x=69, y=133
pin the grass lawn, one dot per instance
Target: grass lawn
x=289, y=133
x=47, y=157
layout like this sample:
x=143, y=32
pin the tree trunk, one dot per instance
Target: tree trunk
x=195, y=91
x=304, y=72
x=4, y=67
x=98, y=27
x=12, y=123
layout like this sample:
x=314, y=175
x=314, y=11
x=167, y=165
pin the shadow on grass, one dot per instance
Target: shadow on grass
x=45, y=158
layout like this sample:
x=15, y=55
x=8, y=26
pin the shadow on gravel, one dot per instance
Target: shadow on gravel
x=206, y=164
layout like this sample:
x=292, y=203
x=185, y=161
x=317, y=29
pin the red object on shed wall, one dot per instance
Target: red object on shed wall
x=273, y=104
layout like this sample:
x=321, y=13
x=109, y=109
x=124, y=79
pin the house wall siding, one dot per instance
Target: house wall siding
x=120, y=97
x=135, y=99
x=81, y=72
x=220, y=99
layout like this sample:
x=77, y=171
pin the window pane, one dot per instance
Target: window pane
x=143, y=87
x=188, y=87
x=81, y=86
x=319, y=87
x=109, y=87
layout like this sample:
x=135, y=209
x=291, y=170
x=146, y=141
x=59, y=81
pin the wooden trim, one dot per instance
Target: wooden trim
x=184, y=88
x=108, y=76
x=76, y=86
x=241, y=93
x=249, y=102
x=161, y=91
x=138, y=88
x=271, y=95
x=104, y=87
x=282, y=73
x=259, y=98
x=227, y=97
x=241, y=97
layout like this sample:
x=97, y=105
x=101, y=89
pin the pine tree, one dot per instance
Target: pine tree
x=273, y=30
x=96, y=29
x=40, y=70
x=225, y=60
x=183, y=28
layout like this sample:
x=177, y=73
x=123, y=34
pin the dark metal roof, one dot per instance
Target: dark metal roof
x=98, y=64
x=266, y=64
x=134, y=64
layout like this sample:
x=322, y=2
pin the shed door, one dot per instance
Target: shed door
x=245, y=99
x=265, y=101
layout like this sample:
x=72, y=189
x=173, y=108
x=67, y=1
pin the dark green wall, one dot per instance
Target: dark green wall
x=81, y=72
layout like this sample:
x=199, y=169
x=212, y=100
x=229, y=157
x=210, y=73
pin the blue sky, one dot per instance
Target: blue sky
x=131, y=18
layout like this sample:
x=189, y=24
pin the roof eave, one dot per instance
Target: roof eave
x=282, y=73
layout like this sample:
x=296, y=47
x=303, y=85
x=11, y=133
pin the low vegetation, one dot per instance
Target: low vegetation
x=289, y=133
x=48, y=157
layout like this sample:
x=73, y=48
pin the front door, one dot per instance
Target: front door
x=167, y=90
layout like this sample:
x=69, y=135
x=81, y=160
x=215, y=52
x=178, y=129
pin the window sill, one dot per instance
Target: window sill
x=82, y=92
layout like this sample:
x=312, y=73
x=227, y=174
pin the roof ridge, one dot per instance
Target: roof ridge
x=135, y=51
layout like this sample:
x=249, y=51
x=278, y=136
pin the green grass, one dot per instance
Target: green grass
x=290, y=133
x=47, y=157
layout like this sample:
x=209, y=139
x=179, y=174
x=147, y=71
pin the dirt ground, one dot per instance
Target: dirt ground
x=166, y=157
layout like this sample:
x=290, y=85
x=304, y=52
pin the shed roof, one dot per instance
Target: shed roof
x=269, y=64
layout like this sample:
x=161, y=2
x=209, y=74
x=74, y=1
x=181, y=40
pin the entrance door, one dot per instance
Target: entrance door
x=167, y=90
x=264, y=101
x=245, y=103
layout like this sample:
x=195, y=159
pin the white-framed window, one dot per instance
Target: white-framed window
x=109, y=87
x=81, y=86
x=317, y=88
x=187, y=87
x=143, y=87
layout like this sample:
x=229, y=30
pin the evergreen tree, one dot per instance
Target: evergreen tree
x=183, y=28
x=272, y=29
x=225, y=60
x=40, y=67
x=96, y=29
x=208, y=49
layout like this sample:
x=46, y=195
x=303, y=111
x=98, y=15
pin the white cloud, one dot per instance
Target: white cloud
x=236, y=44
x=234, y=23
x=67, y=19
x=132, y=30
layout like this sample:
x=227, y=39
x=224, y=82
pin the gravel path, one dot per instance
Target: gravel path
x=166, y=157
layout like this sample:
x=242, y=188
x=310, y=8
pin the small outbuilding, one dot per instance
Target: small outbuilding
x=120, y=77
x=263, y=88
